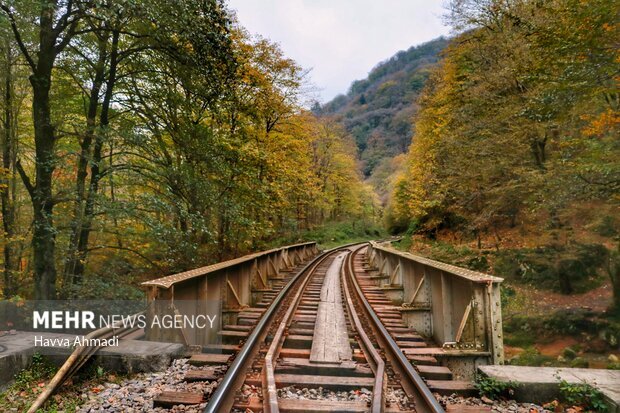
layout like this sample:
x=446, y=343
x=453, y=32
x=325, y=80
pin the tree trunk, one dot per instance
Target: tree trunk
x=96, y=172
x=566, y=286
x=74, y=267
x=44, y=234
x=614, y=274
x=7, y=191
x=538, y=146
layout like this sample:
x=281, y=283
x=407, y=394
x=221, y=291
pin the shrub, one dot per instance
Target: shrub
x=569, y=353
x=39, y=369
x=531, y=357
x=580, y=362
x=584, y=395
x=493, y=388
x=506, y=293
x=568, y=269
x=607, y=226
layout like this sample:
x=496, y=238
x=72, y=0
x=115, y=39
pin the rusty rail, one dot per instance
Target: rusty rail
x=424, y=399
x=222, y=399
x=378, y=396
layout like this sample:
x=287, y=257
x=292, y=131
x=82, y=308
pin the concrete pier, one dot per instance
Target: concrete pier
x=130, y=356
x=541, y=384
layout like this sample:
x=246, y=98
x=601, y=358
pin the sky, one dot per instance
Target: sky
x=341, y=40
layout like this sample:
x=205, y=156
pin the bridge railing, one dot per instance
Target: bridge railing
x=221, y=289
x=459, y=308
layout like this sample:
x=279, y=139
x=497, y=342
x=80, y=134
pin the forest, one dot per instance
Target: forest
x=378, y=111
x=518, y=128
x=514, y=170
x=143, y=138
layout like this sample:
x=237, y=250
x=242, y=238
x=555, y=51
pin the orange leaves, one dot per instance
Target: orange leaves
x=603, y=123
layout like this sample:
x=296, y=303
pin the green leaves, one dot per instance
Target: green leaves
x=584, y=395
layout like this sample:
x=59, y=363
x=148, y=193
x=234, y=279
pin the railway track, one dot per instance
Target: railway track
x=323, y=346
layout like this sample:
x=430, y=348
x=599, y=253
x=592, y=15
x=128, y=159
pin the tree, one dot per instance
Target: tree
x=58, y=24
x=8, y=142
x=155, y=146
x=503, y=127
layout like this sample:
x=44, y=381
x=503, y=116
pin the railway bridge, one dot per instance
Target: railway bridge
x=362, y=316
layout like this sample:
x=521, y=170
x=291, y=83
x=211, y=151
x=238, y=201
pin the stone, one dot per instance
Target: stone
x=569, y=353
x=486, y=400
x=579, y=362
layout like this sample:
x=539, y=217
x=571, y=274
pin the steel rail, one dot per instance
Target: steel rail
x=219, y=401
x=270, y=399
x=426, y=396
x=378, y=394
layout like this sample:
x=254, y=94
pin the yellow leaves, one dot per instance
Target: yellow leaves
x=601, y=124
x=609, y=27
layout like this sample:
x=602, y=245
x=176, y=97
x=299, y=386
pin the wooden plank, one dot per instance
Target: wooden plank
x=253, y=310
x=298, y=341
x=440, y=352
x=232, y=337
x=237, y=327
x=305, y=353
x=410, y=344
x=320, y=406
x=169, y=399
x=249, y=314
x=304, y=318
x=435, y=372
x=301, y=331
x=407, y=337
x=447, y=387
x=208, y=359
x=303, y=362
x=306, y=380
x=200, y=375
x=220, y=348
x=422, y=360
x=288, y=365
x=330, y=343
x=425, y=351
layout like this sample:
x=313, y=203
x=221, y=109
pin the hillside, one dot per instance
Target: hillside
x=514, y=171
x=378, y=110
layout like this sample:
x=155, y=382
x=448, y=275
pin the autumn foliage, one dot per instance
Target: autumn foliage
x=132, y=145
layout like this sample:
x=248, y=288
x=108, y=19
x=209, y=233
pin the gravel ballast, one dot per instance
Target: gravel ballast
x=136, y=394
